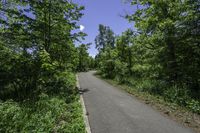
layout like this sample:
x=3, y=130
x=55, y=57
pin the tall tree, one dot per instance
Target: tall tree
x=36, y=36
x=84, y=60
x=123, y=45
x=169, y=31
x=105, y=38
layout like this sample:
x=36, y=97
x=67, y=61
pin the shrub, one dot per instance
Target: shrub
x=62, y=83
x=177, y=94
x=151, y=86
x=49, y=114
x=122, y=71
x=193, y=105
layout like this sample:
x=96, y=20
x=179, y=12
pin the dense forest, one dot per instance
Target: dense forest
x=38, y=62
x=161, y=55
x=40, y=54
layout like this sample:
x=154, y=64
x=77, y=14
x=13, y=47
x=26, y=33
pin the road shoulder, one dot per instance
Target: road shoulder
x=85, y=116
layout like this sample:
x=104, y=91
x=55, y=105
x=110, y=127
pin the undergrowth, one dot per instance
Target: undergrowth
x=179, y=95
x=49, y=114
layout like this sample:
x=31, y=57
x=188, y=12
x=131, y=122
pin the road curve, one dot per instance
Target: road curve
x=113, y=111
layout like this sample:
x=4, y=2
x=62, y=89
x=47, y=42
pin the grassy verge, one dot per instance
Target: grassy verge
x=54, y=108
x=49, y=114
x=172, y=110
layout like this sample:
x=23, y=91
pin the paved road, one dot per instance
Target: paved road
x=113, y=111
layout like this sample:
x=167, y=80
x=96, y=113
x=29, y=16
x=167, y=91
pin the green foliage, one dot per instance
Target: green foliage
x=106, y=62
x=193, y=105
x=105, y=38
x=37, y=46
x=62, y=83
x=180, y=95
x=85, y=62
x=49, y=114
x=175, y=94
x=121, y=70
x=38, y=61
x=155, y=57
x=164, y=35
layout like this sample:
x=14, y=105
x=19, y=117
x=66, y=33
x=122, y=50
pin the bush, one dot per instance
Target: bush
x=193, y=105
x=122, y=71
x=180, y=95
x=177, y=94
x=49, y=114
x=151, y=86
x=174, y=94
x=62, y=83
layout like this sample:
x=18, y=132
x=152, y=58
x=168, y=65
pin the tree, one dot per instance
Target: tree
x=84, y=59
x=123, y=46
x=105, y=43
x=168, y=35
x=105, y=38
x=36, y=37
x=155, y=57
x=163, y=27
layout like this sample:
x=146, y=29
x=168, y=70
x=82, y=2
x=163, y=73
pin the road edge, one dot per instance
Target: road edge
x=85, y=117
x=154, y=105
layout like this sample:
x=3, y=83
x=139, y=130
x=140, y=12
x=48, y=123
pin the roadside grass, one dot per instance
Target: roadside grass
x=174, y=111
x=50, y=114
x=55, y=108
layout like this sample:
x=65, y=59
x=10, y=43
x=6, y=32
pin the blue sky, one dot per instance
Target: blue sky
x=106, y=12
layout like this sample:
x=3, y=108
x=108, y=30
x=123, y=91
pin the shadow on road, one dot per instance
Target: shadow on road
x=82, y=90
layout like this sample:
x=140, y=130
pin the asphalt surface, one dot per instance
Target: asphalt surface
x=111, y=110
